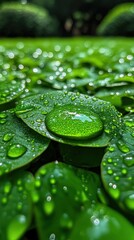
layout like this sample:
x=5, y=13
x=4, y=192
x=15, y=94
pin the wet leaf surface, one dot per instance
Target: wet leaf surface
x=73, y=112
x=18, y=144
x=15, y=204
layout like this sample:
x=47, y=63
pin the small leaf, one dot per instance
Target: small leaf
x=19, y=145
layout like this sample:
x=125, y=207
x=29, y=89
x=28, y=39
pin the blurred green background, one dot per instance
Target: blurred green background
x=45, y=18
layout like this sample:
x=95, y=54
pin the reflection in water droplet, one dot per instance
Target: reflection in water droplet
x=16, y=150
x=8, y=136
x=74, y=122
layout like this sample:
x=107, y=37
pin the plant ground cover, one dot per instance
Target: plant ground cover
x=67, y=139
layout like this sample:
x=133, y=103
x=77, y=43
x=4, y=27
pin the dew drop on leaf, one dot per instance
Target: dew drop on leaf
x=16, y=150
x=8, y=136
x=123, y=147
x=74, y=122
x=48, y=206
x=114, y=191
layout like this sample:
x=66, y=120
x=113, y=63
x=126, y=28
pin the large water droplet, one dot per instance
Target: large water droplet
x=16, y=150
x=123, y=147
x=74, y=122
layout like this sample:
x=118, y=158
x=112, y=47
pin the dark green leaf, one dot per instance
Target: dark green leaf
x=117, y=169
x=19, y=145
x=15, y=204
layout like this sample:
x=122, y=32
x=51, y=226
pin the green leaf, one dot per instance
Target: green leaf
x=101, y=223
x=115, y=95
x=15, y=204
x=117, y=168
x=70, y=118
x=19, y=145
x=59, y=197
x=9, y=90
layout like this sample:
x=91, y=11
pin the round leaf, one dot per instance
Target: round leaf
x=71, y=111
x=19, y=145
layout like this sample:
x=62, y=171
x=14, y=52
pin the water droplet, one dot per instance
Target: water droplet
x=129, y=201
x=37, y=183
x=35, y=196
x=4, y=200
x=114, y=191
x=24, y=109
x=52, y=180
x=3, y=115
x=16, y=227
x=74, y=122
x=7, y=188
x=128, y=159
x=19, y=206
x=111, y=148
x=66, y=222
x=52, y=237
x=124, y=171
x=16, y=150
x=110, y=171
x=123, y=147
x=2, y=121
x=109, y=160
x=8, y=136
x=48, y=206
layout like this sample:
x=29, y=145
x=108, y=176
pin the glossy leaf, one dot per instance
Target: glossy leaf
x=19, y=145
x=117, y=168
x=58, y=197
x=10, y=90
x=71, y=111
x=15, y=204
x=101, y=223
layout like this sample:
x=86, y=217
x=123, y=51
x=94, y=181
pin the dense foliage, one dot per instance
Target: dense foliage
x=67, y=139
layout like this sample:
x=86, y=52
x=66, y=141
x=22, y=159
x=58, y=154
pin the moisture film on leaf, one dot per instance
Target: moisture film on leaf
x=117, y=168
x=58, y=197
x=19, y=145
x=100, y=222
x=15, y=204
x=70, y=118
x=9, y=90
